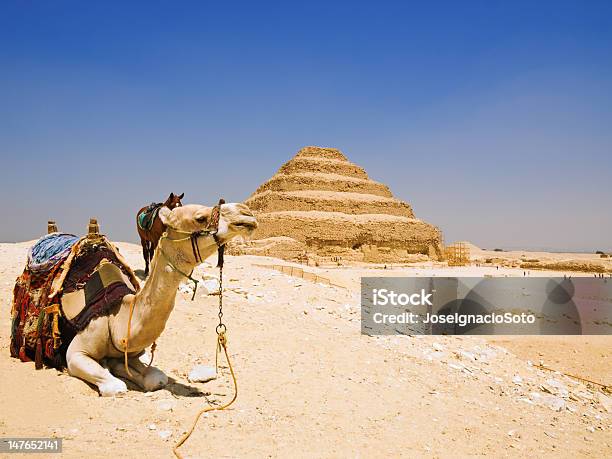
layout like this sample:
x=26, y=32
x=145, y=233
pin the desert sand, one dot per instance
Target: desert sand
x=311, y=385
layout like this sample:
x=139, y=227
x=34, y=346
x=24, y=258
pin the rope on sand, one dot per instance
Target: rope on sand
x=604, y=387
x=221, y=344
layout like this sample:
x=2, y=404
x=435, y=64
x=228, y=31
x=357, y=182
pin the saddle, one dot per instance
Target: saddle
x=67, y=282
x=147, y=216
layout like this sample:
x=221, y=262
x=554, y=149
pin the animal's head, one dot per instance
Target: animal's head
x=236, y=219
x=174, y=200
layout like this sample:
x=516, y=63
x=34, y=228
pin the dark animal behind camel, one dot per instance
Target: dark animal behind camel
x=150, y=238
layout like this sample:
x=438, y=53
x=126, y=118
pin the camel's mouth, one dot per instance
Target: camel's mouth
x=241, y=219
x=245, y=225
x=248, y=225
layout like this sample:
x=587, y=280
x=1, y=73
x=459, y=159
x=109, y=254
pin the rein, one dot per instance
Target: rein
x=221, y=329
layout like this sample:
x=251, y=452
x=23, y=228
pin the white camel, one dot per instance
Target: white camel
x=103, y=337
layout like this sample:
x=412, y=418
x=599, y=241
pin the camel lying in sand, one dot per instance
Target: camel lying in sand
x=174, y=258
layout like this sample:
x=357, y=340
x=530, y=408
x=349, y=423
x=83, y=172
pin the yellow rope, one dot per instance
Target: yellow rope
x=604, y=387
x=221, y=343
x=127, y=341
x=153, y=347
x=127, y=338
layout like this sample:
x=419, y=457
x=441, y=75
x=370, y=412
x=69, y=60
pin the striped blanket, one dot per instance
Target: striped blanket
x=49, y=250
x=67, y=282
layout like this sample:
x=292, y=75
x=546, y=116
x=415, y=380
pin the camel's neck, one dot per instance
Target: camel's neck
x=155, y=302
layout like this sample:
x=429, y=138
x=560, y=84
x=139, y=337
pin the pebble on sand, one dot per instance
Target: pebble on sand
x=202, y=373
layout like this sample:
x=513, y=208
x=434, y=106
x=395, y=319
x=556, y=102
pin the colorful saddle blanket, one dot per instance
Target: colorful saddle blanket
x=147, y=216
x=49, y=250
x=66, y=284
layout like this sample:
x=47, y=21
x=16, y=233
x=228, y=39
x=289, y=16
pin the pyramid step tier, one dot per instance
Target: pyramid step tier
x=324, y=182
x=321, y=152
x=328, y=201
x=322, y=165
x=318, y=230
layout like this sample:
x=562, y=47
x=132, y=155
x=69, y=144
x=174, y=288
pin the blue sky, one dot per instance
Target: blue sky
x=493, y=119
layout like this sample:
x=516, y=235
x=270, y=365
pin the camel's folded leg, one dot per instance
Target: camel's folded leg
x=83, y=366
x=148, y=378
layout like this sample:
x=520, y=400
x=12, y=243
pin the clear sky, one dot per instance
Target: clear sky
x=493, y=119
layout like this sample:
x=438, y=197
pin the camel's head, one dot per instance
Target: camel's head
x=236, y=220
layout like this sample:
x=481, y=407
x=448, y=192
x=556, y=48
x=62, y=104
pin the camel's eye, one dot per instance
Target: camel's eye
x=201, y=219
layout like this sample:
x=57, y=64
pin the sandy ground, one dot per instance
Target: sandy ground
x=311, y=385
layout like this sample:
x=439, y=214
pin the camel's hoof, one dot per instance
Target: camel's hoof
x=154, y=380
x=111, y=388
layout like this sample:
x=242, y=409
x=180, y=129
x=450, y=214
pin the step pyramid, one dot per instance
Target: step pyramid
x=322, y=205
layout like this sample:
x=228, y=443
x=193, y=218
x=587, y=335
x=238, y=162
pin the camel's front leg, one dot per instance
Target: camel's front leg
x=81, y=365
x=148, y=378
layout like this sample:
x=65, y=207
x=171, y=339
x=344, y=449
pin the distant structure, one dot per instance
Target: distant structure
x=323, y=207
x=458, y=254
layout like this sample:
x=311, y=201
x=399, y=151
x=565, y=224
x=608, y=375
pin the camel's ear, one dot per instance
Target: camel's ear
x=164, y=215
x=182, y=195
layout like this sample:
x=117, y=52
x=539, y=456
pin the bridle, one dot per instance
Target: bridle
x=211, y=230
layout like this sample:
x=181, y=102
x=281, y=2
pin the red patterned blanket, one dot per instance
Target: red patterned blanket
x=53, y=303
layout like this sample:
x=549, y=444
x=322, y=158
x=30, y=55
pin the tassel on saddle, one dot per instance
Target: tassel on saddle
x=38, y=353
